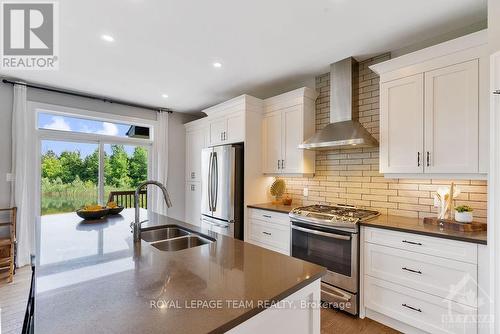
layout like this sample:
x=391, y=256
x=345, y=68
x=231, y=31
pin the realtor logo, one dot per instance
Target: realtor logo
x=30, y=35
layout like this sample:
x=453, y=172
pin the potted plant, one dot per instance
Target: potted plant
x=463, y=214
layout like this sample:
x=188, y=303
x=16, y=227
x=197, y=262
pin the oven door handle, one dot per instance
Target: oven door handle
x=325, y=234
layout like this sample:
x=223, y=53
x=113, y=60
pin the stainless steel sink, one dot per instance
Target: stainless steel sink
x=164, y=233
x=180, y=243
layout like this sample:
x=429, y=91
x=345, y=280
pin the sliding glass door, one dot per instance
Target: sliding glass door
x=69, y=175
x=84, y=162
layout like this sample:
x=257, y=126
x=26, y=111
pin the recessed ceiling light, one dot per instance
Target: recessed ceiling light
x=217, y=65
x=107, y=38
x=164, y=96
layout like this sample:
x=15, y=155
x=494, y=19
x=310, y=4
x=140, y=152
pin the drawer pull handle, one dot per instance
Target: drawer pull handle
x=267, y=233
x=413, y=271
x=412, y=242
x=412, y=308
x=267, y=216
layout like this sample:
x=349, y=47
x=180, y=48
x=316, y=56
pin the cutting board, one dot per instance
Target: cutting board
x=456, y=226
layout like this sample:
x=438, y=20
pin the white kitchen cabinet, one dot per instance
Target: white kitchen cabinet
x=193, y=203
x=195, y=142
x=235, y=132
x=228, y=129
x=197, y=133
x=218, y=129
x=425, y=313
x=451, y=118
x=271, y=130
x=288, y=122
x=433, y=112
x=402, y=125
x=418, y=284
x=270, y=230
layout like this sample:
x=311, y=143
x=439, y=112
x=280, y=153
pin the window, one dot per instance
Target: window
x=58, y=122
x=90, y=161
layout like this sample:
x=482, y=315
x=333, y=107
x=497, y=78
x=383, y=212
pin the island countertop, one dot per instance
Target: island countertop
x=121, y=288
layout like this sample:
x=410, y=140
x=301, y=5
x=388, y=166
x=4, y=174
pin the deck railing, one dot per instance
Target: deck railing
x=126, y=198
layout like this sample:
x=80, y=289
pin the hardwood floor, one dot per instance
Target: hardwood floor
x=337, y=322
x=13, y=297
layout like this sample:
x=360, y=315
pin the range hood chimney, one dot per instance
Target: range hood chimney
x=344, y=129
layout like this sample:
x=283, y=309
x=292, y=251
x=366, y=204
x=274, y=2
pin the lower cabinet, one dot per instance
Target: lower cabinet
x=419, y=290
x=270, y=230
x=193, y=203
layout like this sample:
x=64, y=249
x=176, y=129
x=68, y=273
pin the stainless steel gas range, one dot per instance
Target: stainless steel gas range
x=329, y=236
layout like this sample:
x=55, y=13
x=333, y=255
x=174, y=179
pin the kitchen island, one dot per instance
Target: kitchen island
x=122, y=287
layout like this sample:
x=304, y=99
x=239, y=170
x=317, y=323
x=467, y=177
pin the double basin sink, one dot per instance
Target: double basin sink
x=173, y=238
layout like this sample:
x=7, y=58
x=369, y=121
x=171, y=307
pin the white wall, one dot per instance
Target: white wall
x=5, y=142
x=494, y=25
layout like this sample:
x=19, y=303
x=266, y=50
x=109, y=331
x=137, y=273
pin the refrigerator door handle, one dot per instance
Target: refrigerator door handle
x=216, y=180
x=212, y=182
x=209, y=183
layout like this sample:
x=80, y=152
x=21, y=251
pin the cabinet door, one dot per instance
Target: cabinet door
x=292, y=135
x=401, y=125
x=217, y=129
x=235, y=128
x=195, y=142
x=452, y=119
x=271, y=142
x=193, y=203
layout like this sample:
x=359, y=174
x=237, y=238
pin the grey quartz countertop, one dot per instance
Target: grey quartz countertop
x=398, y=223
x=119, y=287
x=417, y=226
x=274, y=207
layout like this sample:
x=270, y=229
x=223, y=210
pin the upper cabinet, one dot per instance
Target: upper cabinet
x=451, y=119
x=227, y=120
x=196, y=140
x=433, y=114
x=289, y=119
x=402, y=125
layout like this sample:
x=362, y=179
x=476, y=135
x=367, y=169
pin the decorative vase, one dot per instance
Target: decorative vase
x=463, y=217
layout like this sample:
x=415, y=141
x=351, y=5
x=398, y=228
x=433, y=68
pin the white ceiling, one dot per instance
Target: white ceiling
x=265, y=46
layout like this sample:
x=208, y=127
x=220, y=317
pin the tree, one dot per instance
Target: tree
x=90, y=168
x=51, y=166
x=117, y=174
x=72, y=166
x=138, y=166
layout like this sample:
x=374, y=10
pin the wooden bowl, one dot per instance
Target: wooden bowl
x=92, y=215
x=115, y=211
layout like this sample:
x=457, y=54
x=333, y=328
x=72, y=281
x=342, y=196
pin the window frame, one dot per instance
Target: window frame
x=69, y=136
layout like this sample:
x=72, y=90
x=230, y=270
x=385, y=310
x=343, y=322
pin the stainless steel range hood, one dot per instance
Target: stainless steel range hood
x=344, y=129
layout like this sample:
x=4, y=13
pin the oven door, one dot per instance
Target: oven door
x=335, y=250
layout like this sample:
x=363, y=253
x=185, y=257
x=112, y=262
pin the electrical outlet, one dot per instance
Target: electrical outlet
x=305, y=192
x=437, y=204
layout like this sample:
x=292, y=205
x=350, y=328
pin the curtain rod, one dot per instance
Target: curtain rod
x=88, y=96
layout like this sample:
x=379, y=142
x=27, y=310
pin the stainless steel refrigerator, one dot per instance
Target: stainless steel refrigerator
x=222, y=189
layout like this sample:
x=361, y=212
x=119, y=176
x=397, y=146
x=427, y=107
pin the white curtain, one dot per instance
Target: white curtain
x=160, y=162
x=22, y=192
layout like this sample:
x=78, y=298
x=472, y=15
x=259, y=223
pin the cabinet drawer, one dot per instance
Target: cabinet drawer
x=277, y=237
x=450, y=249
x=445, y=278
x=270, y=216
x=426, y=312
